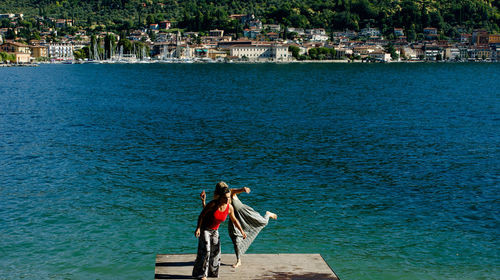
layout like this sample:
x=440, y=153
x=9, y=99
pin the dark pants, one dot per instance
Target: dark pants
x=208, y=258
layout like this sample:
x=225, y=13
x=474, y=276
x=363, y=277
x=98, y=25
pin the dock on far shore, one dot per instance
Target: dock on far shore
x=254, y=266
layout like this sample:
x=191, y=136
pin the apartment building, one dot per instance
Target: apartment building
x=263, y=52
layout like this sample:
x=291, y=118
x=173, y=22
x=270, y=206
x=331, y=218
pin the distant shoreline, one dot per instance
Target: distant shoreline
x=19, y=65
x=253, y=62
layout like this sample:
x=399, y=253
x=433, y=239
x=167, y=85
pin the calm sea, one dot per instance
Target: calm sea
x=390, y=171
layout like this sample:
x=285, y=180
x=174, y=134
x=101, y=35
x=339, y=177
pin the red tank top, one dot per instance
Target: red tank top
x=218, y=218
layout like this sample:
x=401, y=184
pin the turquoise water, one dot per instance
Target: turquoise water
x=389, y=171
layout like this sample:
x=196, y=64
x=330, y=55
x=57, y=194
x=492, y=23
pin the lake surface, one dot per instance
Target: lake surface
x=390, y=171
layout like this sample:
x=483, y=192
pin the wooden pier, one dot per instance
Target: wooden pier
x=254, y=267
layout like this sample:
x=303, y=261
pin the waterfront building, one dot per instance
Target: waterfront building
x=479, y=53
x=39, y=51
x=342, y=53
x=216, y=54
x=184, y=51
x=419, y=50
x=409, y=52
x=380, y=55
x=464, y=52
x=364, y=51
x=21, y=51
x=61, y=51
x=261, y=52
x=451, y=53
x=433, y=52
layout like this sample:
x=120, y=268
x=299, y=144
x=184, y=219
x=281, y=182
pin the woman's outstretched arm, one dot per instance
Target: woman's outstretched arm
x=238, y=191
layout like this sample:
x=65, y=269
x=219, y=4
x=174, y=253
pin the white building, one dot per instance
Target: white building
x=261, y=52
x=380, y=56
x=62, y=51
x=272, y=27
x=370, y=32
x=299, y=31
x=318, y=38
x=317, y=35
x=452, y=53
x=316, y=31
x=410, y=53
x=432, y=53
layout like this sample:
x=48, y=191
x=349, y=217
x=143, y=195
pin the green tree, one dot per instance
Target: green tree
x=411, y=35
x=10, y=35
x=6, y=57
x=126, y=45
x=390, y=49
x=109, y=45
x=5, y=23
x=295, y=51
x=313, y=53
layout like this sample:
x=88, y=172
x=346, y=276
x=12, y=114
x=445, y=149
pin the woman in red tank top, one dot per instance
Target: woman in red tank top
x=250, y=220
x=207, y=261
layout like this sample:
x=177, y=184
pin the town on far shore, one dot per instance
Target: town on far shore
x=162, y=42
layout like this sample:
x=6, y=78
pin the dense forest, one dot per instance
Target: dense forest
x=449, y=16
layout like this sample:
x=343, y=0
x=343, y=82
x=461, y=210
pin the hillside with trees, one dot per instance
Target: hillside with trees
x=449, y=16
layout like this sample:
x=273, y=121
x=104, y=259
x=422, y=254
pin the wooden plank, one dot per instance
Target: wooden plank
x=254, y=267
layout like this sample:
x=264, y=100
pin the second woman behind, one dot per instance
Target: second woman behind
x=251, y=221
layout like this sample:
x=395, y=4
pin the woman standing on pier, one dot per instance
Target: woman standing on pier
x=208, y=258
x=251, y=221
